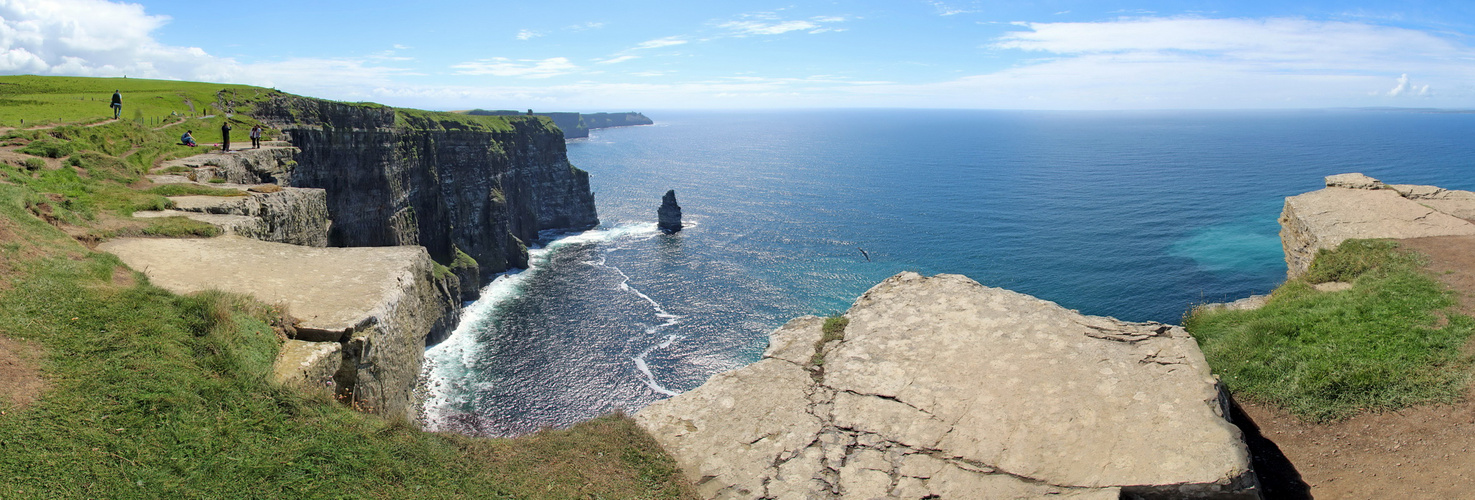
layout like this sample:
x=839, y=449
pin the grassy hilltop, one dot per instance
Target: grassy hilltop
x=119, y=389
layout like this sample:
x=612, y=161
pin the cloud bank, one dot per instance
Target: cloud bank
x=1143, y=62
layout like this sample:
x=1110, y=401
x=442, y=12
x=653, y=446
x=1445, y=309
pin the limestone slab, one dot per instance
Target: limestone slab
x=944, y=388
x=381, y=301
x=326, y=288
x=1325, y=218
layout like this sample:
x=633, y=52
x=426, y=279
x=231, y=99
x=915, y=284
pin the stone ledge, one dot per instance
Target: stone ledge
x=944, y=387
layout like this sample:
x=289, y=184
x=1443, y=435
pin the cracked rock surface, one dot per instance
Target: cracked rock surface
x=1357, y=206
x=944, y=388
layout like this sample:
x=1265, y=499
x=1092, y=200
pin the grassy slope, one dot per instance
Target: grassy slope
x=155, y=395
x=1387, y=343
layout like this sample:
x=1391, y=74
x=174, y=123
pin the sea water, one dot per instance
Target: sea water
x=1137, y=215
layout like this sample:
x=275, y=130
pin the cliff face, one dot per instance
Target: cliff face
x=486, y=186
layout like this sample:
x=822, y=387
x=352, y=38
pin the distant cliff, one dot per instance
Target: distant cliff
x=484, y=185
x=577, y=125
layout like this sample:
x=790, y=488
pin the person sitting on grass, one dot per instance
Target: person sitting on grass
x=188, y=138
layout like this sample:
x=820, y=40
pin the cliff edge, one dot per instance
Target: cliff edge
x=1357, y=206
x=943, y=388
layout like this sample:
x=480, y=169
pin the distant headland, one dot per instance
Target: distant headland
x=575, y=125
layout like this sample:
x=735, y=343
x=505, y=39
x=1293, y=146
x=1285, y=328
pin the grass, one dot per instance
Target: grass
x=192, y=190
x=163, y=396
x=1389, y=342
x=156, y=395
x=834, y=329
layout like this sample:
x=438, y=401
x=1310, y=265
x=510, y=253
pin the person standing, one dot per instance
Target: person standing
x=225, y=136
x=256, y=137
x=117, y=104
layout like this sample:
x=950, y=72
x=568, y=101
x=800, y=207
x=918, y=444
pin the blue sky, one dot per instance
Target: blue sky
x=604, y=55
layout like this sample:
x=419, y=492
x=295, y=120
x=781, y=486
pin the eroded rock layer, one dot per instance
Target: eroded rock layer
x=944, y=388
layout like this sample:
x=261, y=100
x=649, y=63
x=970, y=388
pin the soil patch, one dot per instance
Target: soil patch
x=20, y=372
x=1451, y=261
x=1426, y=452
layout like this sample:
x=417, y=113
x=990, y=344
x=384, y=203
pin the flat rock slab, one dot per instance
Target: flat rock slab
x=944, y=388
x=331, y=289
x=1325, y=218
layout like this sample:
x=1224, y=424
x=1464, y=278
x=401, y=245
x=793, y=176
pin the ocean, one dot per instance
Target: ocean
x=1136, y=215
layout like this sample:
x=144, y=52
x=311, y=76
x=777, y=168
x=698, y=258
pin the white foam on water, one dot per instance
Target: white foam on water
x=670, y=319
x=448, y=364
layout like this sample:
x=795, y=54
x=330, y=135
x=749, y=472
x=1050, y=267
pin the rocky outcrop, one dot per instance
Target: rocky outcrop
x=607, y=120
x=375, y=305
x=308, y=366
x=942, y=388
x=1357, y=206
x=483, y=185
x=298, y=216
x=272, y=164
x=669, y=214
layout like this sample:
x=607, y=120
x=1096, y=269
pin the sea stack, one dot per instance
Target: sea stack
x=669, y=215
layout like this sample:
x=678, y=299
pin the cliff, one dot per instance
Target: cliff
x=577, y=125
x=483, y=185
x=942, y=388
x=1358, y=206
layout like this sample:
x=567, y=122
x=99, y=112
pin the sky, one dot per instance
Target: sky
x=579, y=55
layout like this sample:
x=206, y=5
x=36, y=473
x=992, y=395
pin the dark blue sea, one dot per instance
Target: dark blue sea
x=1137, y=215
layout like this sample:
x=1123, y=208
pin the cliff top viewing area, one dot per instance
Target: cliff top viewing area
x=179, y=376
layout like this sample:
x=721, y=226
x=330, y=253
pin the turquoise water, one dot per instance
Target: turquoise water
x=1136, y=215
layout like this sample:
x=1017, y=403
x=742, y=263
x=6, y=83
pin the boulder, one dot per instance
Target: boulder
x=669, y=215
x=1354, y=181
x=308, y=366
x=941, y=387
x=1325, y=218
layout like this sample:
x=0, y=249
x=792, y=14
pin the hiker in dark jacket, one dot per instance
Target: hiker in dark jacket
x=225, y=136
x=117, y=104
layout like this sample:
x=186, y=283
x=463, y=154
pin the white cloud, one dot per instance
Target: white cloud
x=586, y=26
x=616, y=60
x=1215, y=63
x=527, y=34
x=523, y=68
x=660, y=42
x=744, y=28
x=943, y=9
x=1404, y=87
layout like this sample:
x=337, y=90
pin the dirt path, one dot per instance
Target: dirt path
x=1426, y=452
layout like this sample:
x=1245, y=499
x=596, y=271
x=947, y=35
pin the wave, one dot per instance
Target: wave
x=449, y=366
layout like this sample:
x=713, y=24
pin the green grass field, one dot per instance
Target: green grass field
x=156, y=395
x=1390, y=342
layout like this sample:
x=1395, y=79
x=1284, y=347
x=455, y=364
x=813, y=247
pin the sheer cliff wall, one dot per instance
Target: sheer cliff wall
x=485, y=185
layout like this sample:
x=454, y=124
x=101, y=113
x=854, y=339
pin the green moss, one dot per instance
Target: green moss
x=834, y=329
x=463, y=261
x=1389, y=342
